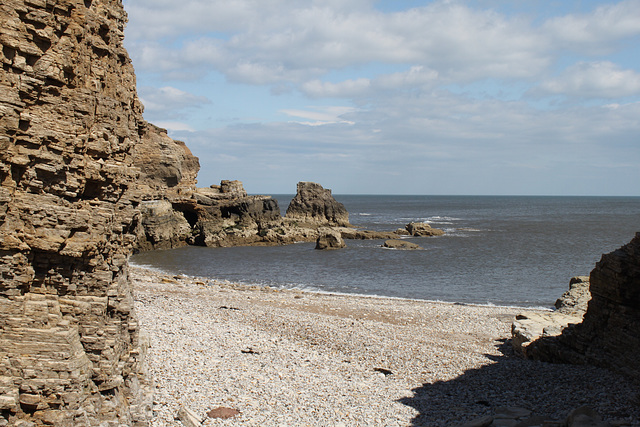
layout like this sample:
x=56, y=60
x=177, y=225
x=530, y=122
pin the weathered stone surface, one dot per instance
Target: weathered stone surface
x=401, y=244
x=574, y=302
x=609, y=335
x=570, y=309
x=315, y=204
x=70, y=350
x=168, y=170
x=330, y=239
x=423, y=229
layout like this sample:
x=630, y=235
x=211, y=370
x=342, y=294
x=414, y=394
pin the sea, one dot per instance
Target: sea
x=498, y=250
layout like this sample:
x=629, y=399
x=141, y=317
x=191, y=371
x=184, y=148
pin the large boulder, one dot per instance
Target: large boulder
x=329, y=239
x=315, y=205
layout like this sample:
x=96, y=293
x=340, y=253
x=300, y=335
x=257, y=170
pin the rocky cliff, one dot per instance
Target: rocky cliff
x=609, y=335
x=70, y=351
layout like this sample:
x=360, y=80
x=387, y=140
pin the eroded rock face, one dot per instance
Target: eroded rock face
x=314, y=204
x=609, y=335
x=70, y=351
x=168, y=169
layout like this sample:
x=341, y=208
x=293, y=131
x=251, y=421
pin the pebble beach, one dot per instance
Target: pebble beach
x=292, y=358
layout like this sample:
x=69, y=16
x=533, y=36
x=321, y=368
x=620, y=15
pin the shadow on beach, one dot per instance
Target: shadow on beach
x=547, y=390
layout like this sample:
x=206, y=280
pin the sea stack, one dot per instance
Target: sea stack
x=315, y=205
x=70, y=349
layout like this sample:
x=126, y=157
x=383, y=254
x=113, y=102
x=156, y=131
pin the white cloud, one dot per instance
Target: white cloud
x=598, y=29
x=301, y=41
x=346, y=89
x=175, y=126
x=322, y=115
x=594, y=80
x=435, y=94
x=169, y=99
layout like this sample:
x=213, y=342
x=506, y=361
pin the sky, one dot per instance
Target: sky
x=485, y=97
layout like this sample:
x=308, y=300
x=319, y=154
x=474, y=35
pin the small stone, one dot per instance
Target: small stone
x=223, y=413
x=384, y=371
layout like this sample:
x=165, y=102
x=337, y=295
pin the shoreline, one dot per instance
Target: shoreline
x=311, y=290
x=288, y=357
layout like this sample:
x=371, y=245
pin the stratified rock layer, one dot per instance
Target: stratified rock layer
x=609, y=335
x=70, y=352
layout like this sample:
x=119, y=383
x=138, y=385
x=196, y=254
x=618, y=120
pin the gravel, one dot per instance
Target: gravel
x=291, y=358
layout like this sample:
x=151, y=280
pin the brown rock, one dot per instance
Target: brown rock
x=423, y=229
x=575, y=300
x=330, y=239
x=70, y=120
x=316, y=205
x=223, y=413
x=401, y=244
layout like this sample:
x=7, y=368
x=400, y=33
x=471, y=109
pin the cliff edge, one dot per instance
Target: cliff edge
x=70, y=349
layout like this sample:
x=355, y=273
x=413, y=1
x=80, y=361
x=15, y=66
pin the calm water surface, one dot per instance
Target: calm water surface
x=499, y=250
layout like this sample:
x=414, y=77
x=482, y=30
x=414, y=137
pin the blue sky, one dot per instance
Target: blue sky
x=397, y=97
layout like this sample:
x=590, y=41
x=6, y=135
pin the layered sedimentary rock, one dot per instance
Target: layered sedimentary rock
x=314, y=204
x=70, y=351
x=167, y=180
x=609, y=335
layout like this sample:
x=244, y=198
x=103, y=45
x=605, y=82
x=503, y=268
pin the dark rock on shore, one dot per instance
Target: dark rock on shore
x=609, y=335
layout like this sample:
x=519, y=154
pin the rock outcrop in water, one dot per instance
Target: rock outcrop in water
x=315, y=205
x=70, y=350
x=181, y=214
x=609, y=335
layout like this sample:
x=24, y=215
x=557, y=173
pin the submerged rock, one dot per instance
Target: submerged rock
x=401, y=244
